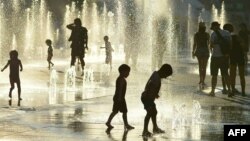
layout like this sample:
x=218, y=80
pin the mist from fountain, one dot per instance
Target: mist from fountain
x=14, y=43
x=1, y=29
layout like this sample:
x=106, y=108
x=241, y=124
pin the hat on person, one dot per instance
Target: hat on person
x=214, y=24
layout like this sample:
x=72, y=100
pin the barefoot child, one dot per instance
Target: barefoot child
x=119, y=97
x=50, y=52
x=14, y=64
x=150, y=94
x=109, y=51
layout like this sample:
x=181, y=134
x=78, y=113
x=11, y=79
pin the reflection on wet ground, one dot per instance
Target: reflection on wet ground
x=83, y=121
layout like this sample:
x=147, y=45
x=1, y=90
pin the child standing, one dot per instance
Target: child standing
x=50, y=52
x=150, y=94
x=14, y=64
x=119, y=97
x=109, y=51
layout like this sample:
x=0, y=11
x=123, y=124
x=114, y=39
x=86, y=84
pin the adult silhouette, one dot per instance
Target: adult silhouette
x=201, y=51
x=79, y=39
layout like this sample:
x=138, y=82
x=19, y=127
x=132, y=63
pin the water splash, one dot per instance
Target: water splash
x=53, y=87
x=179, y=119
x=89, y=74
x=70, y=79
x=196, y=112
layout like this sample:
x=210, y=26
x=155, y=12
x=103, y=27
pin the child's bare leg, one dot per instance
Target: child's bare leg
x=19, y=90
x=110, y=65
x=146, y=121
x=83, y=64
x=108, y=123
x=154, y=113
x=125, y=120
x=156, y=129
x=51, y=63
x=12, y=86
x=48, y=64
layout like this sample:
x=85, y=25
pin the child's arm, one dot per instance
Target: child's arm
x=70, y=26
x=5, y=66
x=21, y=66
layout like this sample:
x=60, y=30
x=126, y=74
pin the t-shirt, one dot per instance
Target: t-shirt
x=50, y=51
x=216, y=51
x=108, y=48
x=14, y=68
x=152, y=87
x=121, y=86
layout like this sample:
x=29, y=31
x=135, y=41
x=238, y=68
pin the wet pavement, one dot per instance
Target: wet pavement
x=52, y=109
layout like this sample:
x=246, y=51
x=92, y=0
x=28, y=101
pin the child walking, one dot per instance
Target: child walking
x=14, y=64
x=50, y=52
x=149, y=95
x=119, y=97
x=109, y=51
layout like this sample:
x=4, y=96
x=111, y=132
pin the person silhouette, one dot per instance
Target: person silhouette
x=237, y=60
x=50, y=52
x=149, y=95
x=79, y=39
x=109, y=51
x=218, y=59
x=244, y=34
x=119, y=98
x=14, y=64
x=201, y=51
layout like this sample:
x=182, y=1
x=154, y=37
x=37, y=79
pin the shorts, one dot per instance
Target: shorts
x=49, y=58
x=108, y=59
x=14, y=79
x=237, y=60
x=148, y=103
x=120, y=106
x=221, y=63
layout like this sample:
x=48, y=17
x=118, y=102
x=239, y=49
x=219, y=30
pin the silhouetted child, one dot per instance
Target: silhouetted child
x=14, y=64
x=109, y=51
x=150, y=94
x=119, y=97
x=50, y=52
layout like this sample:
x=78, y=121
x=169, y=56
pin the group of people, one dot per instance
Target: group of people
x=237, y=46
x=79, y=39
x=229, y=52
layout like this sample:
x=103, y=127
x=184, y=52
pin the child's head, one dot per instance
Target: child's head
x=106, y=38
x=78, y=22
x=165, y=71
x=124, y=70
x=48, y=42
x=13, y=54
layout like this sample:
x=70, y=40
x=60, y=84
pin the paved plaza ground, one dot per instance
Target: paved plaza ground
x=57, y=111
